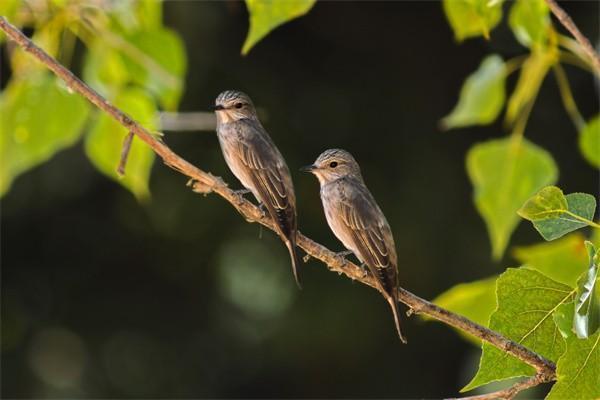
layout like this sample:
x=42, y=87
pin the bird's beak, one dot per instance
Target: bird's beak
x=218, y=107
x=308, y=168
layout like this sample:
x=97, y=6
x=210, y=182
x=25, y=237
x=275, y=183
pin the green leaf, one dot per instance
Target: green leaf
x=526, y=302
x=8, y=9
x=157, y=61
x=470, y=18
x=104, y=142
x=562, y=260
x=587, y=301
x=266, y=15
x=481, y=97
x=563, y=318
x=589, y=141
x=554, y=214
x=530, y=21
x=38, y=118
x=532, y=75
x=474, y=300
x=153, y=59
x=578, y=370
x=505, y=173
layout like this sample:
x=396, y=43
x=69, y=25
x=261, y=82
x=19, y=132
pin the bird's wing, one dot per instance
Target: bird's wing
x=271, y=178
x=370, y=233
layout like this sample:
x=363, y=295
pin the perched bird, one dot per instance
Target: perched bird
x=255, y=160
x=357, y=221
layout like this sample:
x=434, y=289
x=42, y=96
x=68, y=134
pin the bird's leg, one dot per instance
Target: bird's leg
x=263, y=209
x=341, y=256
x=240, y=195
x=363, y=266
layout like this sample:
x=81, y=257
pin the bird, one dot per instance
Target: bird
x=357, y=221
x=253, y=158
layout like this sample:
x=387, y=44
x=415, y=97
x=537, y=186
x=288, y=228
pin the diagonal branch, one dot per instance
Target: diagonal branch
x=567, y=22
x=205, y=182
x=511, y=391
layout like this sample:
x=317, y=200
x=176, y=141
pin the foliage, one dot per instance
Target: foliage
x=266, y=15
x=129, y=54
x=554, y=214
x=499, y=192
x=551, y=304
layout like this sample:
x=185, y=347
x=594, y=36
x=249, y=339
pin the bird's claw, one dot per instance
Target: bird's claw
x=240, y=195
x=341, y=256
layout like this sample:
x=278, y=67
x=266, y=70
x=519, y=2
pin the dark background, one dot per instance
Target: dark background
x=178, y=297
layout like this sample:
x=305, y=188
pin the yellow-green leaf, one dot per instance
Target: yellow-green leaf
x=530, y=21
x=481, y=97
x=104, y=142
x=474, y=300
x=578, y=370
x=586, y=319
x=266, y=15
x=589, y=141
x=562, y=260
x=532, y=75
x=554, y=214
x=38, y=117
x=469, y=18
x=526, y=302
x=505, y=173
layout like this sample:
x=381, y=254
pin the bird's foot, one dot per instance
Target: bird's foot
x=240, y=195
x=341, y=256
x=263, y=210
x=365, y=270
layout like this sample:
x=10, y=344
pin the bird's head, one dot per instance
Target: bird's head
x=232, y=105
x=334, y=164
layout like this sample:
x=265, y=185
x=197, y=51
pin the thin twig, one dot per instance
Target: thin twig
x=251, y=212
x=510, y=392
x=567, y=97
x=567, y=22
x=125, y=153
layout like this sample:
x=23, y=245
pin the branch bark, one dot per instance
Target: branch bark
x=510, y=392
x=566, y=20
x=204, y=182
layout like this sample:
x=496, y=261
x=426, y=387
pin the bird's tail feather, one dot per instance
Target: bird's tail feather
x=394, y=305
x=291, y=245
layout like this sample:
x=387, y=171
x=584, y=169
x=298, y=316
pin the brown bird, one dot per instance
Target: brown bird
x=255, y=160
x=357, y=221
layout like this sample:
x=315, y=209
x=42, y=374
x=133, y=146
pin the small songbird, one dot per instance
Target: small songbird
x=255, y=160
x=357, y=221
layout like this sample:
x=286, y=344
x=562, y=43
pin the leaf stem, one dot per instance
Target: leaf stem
x=567, y=97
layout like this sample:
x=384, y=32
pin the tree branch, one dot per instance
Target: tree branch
x=205, y=182
x=510, y=392
x=567, y=22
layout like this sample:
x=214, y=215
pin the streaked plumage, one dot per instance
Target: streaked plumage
x=255, y=160
x=357, y=221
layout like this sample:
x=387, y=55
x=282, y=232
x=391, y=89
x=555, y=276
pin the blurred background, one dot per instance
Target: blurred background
x=104, y=296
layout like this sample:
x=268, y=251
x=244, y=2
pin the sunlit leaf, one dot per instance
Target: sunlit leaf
x=470, y=18
x=474, y=300
x=529, y=21
x=587, y=301
x=526, y=301
x=156, y=59
x=578, y=370
x=8, y=9
x=505, y=173
x=589, y=141
x=563, y=260
x=532, y=75
x=104, y=69
x=563, y=318
x=38, y=117
x=481, y=97
x=104, y=142
x=266, y=15
x=554, y=214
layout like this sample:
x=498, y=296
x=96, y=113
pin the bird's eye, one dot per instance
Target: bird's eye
x=333, y=164
x=238, y=105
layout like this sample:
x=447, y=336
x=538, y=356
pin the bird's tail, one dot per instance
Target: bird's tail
x=394, y=305
x=291, y=245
